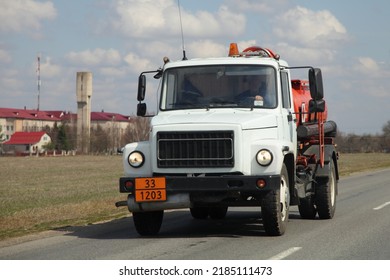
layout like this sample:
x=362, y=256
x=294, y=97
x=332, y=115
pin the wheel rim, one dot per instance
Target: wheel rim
x=284, y=198
x=332, y=189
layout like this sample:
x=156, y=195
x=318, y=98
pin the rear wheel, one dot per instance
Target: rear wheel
x=326, y=190
x=275, y=207
x=148, y=223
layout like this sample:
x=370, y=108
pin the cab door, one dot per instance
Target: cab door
x=288, y=116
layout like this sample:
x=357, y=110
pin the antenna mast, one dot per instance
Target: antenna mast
x=182, y=34
x=39, y=78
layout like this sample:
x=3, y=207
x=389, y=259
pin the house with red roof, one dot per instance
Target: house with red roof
x=27, y=142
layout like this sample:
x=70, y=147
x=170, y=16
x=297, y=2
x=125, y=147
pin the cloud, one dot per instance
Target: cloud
x=210, y=48
x=156, y=50
x=138, y=64
x=150, y=18
x=95, y=57
x=230, y=22
x=9, y=79
x=262, y=6
x=48, y=69
x=372, y=77
x=5, y=57
x=18, y=15
x=139, y=18
x=206, y=48
x=113, y=71
x=305, y=36
x=370, y=69
x=304, y=55
x=368, y=66
x=315, y=29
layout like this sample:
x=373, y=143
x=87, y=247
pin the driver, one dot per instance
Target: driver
x=190, y=93
x=256, y=93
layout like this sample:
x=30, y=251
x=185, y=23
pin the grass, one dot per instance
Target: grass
x=44, y=193
x=352, y=163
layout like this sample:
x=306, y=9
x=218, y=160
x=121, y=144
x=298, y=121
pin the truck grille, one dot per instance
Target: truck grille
x=195, y=149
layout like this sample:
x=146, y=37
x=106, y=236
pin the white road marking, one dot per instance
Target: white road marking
x=382, y=206
x=286, y=253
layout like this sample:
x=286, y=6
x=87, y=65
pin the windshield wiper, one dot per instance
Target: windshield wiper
x=223, y=104
x=187, y=105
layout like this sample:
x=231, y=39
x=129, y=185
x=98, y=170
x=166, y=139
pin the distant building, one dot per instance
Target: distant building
x=27, y=143
x=23, y=120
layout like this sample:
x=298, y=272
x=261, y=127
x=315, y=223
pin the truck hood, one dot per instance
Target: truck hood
x=246, y=118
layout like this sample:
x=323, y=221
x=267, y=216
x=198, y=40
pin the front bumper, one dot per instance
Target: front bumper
x=225, y=183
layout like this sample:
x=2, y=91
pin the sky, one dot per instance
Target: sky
x=118, y=39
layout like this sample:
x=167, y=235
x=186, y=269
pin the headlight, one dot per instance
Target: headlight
x=136, y=159
x=264, y=157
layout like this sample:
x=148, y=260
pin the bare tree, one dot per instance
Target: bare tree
x=137, y=131
x=100, y=142
x=386, y=137
x=2, y=139
x=128, y=135
x=367, y=143
x=386, y=128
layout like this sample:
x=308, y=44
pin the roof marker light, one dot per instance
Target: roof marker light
x=233, y=50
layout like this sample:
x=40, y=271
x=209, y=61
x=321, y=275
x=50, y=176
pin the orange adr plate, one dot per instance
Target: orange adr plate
x=150, y=189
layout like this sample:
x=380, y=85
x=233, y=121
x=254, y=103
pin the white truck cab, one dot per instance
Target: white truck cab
x=225, y=135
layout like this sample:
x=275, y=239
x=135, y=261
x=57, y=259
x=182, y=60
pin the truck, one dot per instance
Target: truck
x=234, y=131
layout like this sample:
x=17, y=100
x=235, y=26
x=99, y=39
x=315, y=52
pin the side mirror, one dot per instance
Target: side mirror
x=141, y=87
x=158, y=74
x=141, y=109
x=317, y=106
x=315, y=82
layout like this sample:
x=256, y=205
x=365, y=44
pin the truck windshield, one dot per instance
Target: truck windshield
x=246, y=86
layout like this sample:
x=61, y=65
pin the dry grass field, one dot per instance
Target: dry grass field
x=352, y=163
x=38, y=194
x=48, y=192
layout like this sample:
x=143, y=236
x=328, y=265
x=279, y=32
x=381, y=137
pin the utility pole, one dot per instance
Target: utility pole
x=39, y=78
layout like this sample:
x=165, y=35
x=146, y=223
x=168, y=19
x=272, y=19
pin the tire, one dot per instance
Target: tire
x=148, y=223
x=326, y=191
x=199, y=213
x=307, y=208
x=275, y=207
x=217, y=213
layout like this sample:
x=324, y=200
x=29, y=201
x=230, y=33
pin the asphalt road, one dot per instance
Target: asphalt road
x=360, y=230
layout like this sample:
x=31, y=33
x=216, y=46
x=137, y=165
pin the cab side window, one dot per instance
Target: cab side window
x=285, y=90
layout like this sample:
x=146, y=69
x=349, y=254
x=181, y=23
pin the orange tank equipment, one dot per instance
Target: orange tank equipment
x=301, y=98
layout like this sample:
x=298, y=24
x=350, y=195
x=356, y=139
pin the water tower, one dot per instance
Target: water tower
x=84, y=94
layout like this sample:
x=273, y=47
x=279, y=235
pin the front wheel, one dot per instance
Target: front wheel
x=275, y=207
x=148, y=223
